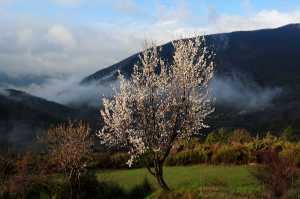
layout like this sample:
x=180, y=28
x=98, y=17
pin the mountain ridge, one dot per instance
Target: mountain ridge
x=268, y=58
x=218, y=40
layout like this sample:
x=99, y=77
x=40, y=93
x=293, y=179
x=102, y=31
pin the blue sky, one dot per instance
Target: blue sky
x=118, y=11
x=79, y=37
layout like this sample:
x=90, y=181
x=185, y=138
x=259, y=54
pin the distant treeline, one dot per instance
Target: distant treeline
x=221, y=147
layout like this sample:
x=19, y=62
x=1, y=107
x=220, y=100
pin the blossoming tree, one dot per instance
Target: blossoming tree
x=160, y=104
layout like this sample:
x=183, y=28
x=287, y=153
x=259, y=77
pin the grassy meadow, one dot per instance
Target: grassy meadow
x=212, y=179
x=236, y=166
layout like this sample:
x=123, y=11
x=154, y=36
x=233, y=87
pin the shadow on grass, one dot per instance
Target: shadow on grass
x=142, y=190
x=91, y=188
x=113, y=191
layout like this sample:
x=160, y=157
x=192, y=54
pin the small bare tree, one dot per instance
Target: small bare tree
x=277, y=173
x=160, y=104
x=69, y=147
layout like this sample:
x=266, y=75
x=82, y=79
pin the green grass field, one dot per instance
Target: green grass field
x=233, y=179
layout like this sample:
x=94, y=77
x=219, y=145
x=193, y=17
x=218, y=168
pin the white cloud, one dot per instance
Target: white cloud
x=25, y=36
x=42, y=48
x=61, y=35
x=274, y=17
x=68, y=91
x=262, y=19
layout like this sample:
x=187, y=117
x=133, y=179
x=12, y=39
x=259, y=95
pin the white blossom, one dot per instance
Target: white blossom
x=161, y=102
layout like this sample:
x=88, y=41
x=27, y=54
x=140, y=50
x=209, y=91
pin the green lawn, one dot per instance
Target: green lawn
x=235, y=179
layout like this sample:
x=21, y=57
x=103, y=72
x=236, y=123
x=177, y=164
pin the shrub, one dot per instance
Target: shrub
x=240, y=136
x=204, y=153
x=7, y=168
x=278, y=174
x=256, y=148
x=26, y=179
x=218, y=153
x=119, y=160
x=227, y=154
x=183, y=158
x=211, y=138
x=100, y=161
x=176, y=159
x=221, y=136
x=111, y=161
x=297, y=160
x=289, y=134
x=201, y=154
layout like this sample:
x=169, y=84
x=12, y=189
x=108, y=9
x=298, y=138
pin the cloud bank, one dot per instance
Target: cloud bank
x=68, y=91
x=53, y=49
x=242, y=93
x=237, y=90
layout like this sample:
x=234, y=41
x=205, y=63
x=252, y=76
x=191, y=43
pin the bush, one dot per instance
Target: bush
x=289, y=134
x=111, y=161
x=181, y=158
x=278, y=174
x=7, y=168
x=221, y=136
x=119, y=160
x=218, y=153
x=240, y=136
x=27, y=178
x=228, y=154
x=204, y=153
x=199, y=155
x=211, y=138
x=100, y=161
x=34, y=190
x=297, y=160
x=258, y=147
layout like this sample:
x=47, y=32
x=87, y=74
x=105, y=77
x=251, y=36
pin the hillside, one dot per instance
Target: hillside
x=253, y=52
x=23, y=117
x=257, y=80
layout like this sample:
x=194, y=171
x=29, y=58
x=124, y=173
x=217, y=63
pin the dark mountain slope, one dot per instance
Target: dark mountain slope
x=44, y=106
x=23, y=117
x=259, y=61
x=259, y=53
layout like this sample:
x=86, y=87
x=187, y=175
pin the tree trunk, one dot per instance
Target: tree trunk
x=156, y=169
x=74, y=184
x=160, y=177
x=162, y=183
